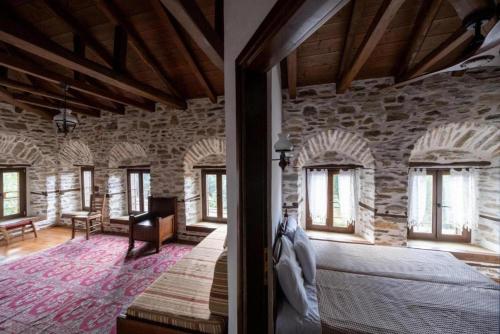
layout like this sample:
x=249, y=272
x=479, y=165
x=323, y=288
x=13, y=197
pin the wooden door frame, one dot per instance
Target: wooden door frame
x=218, y=173
x=287, y=25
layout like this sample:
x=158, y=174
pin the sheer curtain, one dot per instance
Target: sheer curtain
x=317, y=192
x=463, y=199
x=348, y=195
x=417, y=197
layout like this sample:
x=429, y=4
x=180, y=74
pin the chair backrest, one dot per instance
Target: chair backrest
x=163, y=206
x=98, y=204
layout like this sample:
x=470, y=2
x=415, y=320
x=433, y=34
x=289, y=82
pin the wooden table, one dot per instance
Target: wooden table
x=8, y=226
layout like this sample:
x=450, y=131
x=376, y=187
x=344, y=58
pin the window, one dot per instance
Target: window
x=432, y=197
x=331, y=203
x=214, y=195
x=139, y=189
x=13, y=193
x=87, y=180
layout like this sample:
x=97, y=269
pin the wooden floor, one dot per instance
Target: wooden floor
x=47, y=238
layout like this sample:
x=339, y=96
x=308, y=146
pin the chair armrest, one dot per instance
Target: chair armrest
x=137, y=218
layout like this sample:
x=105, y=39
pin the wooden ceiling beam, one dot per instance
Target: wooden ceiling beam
x=72, y=22
x=291, y=65
x=51, y=105
x=466, y=7
x=19, y=35
x=183, y=48
x=219, y=19
x=356, y=13
x=189, y=16
x=41, y=92
x=377, y=29
x=115, y=15
x=458, y=38
x=424, y=20
x=6, y=96
x=120, y=50
x=32, y=69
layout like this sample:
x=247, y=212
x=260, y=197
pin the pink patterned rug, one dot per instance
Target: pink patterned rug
x=77, y=287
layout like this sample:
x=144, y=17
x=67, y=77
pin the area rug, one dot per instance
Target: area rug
x=78, y=287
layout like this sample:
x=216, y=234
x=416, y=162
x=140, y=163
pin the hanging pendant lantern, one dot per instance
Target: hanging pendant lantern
x=65, y=121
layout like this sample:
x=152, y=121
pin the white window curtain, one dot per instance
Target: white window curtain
x=348, y=194
x=417, y=197
x=463, y=199
x=317, y=193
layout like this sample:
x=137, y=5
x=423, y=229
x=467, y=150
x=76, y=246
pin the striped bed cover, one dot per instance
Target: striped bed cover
x=180, y=296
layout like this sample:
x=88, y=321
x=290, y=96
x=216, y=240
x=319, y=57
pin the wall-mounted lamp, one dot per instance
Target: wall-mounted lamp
x=283, y=146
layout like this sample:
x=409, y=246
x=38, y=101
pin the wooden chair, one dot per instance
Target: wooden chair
x=156, y=225
x=94, y=219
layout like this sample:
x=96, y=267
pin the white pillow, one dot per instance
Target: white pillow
x=291, y=226
x=305, y=254
x=290, y=277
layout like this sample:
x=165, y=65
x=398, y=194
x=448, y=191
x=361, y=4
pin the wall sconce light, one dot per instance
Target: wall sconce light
x=283, y=146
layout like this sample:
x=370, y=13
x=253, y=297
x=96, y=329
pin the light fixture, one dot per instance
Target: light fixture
x=65, y=121
x=283, y=146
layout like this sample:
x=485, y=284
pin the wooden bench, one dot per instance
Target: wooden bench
x=11, y=225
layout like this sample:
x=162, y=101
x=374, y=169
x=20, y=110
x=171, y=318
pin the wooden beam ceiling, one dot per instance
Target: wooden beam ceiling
x=461, y=36
x=26, y=67
x=425, y=17
x=6, y=96
x=19, y=35
x=190, y=17
x=182, y=46
x=120, y=50
x=30, y=100
x=356, y=14
x=80, y=30
x=41, y=92
x=291, y=65
x=377, y=29
x=115, y=15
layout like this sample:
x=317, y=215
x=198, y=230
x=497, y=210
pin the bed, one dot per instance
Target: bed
x=381, y=289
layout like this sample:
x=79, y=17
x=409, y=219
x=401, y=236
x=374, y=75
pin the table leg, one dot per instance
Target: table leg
x=72, y=228
x=34, y=229
x=87, y=226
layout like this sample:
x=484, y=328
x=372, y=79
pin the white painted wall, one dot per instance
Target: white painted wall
x=241, y=20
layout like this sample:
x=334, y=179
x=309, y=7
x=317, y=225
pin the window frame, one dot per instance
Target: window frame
x=329, y=227
x=437, y=212
x=82, y=184
x=141, y=172
x=22, y=193
x=220, y=204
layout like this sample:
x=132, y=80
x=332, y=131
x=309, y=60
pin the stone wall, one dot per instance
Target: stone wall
x=390, y=122
x=160, y=139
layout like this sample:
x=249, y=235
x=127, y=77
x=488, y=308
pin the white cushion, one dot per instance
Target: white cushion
x=291, y=227
x=305, y=255
x=290, y=277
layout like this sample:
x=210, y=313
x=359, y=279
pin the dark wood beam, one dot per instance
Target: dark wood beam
x=6, y=96
x=79, y=49
x=38, y=72
x=466, y=7
x=375, y=33
x=219, y=19
x=425, y=17
x=120, y=50
x=347, y=50
x=291, y=65
x=190, y=17
x=20, y=36
x=52, y=105
x=115, y=15
x=79, y=29
x=169, y=22
x=41, y=92
x=461, y=36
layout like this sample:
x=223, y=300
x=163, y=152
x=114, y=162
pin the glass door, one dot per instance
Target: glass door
x=13, y=193
x=214, y=198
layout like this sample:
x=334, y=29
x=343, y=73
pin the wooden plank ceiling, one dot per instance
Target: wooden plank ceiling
x=113, y=53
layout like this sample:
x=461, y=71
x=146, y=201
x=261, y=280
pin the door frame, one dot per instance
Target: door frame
x=287, y=25
x=218, y=173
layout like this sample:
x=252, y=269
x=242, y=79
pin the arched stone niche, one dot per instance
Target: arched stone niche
x=206, y=152
x=338, y=147
x=465, y=142
x=41, y=174
x=122, y=154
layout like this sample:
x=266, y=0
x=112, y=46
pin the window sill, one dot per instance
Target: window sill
x=338, y=237
x=205, y=227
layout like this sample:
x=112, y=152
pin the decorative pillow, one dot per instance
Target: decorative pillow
x=291, y=226
x=305, y=254
x=290, y=278
x=218, y=302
